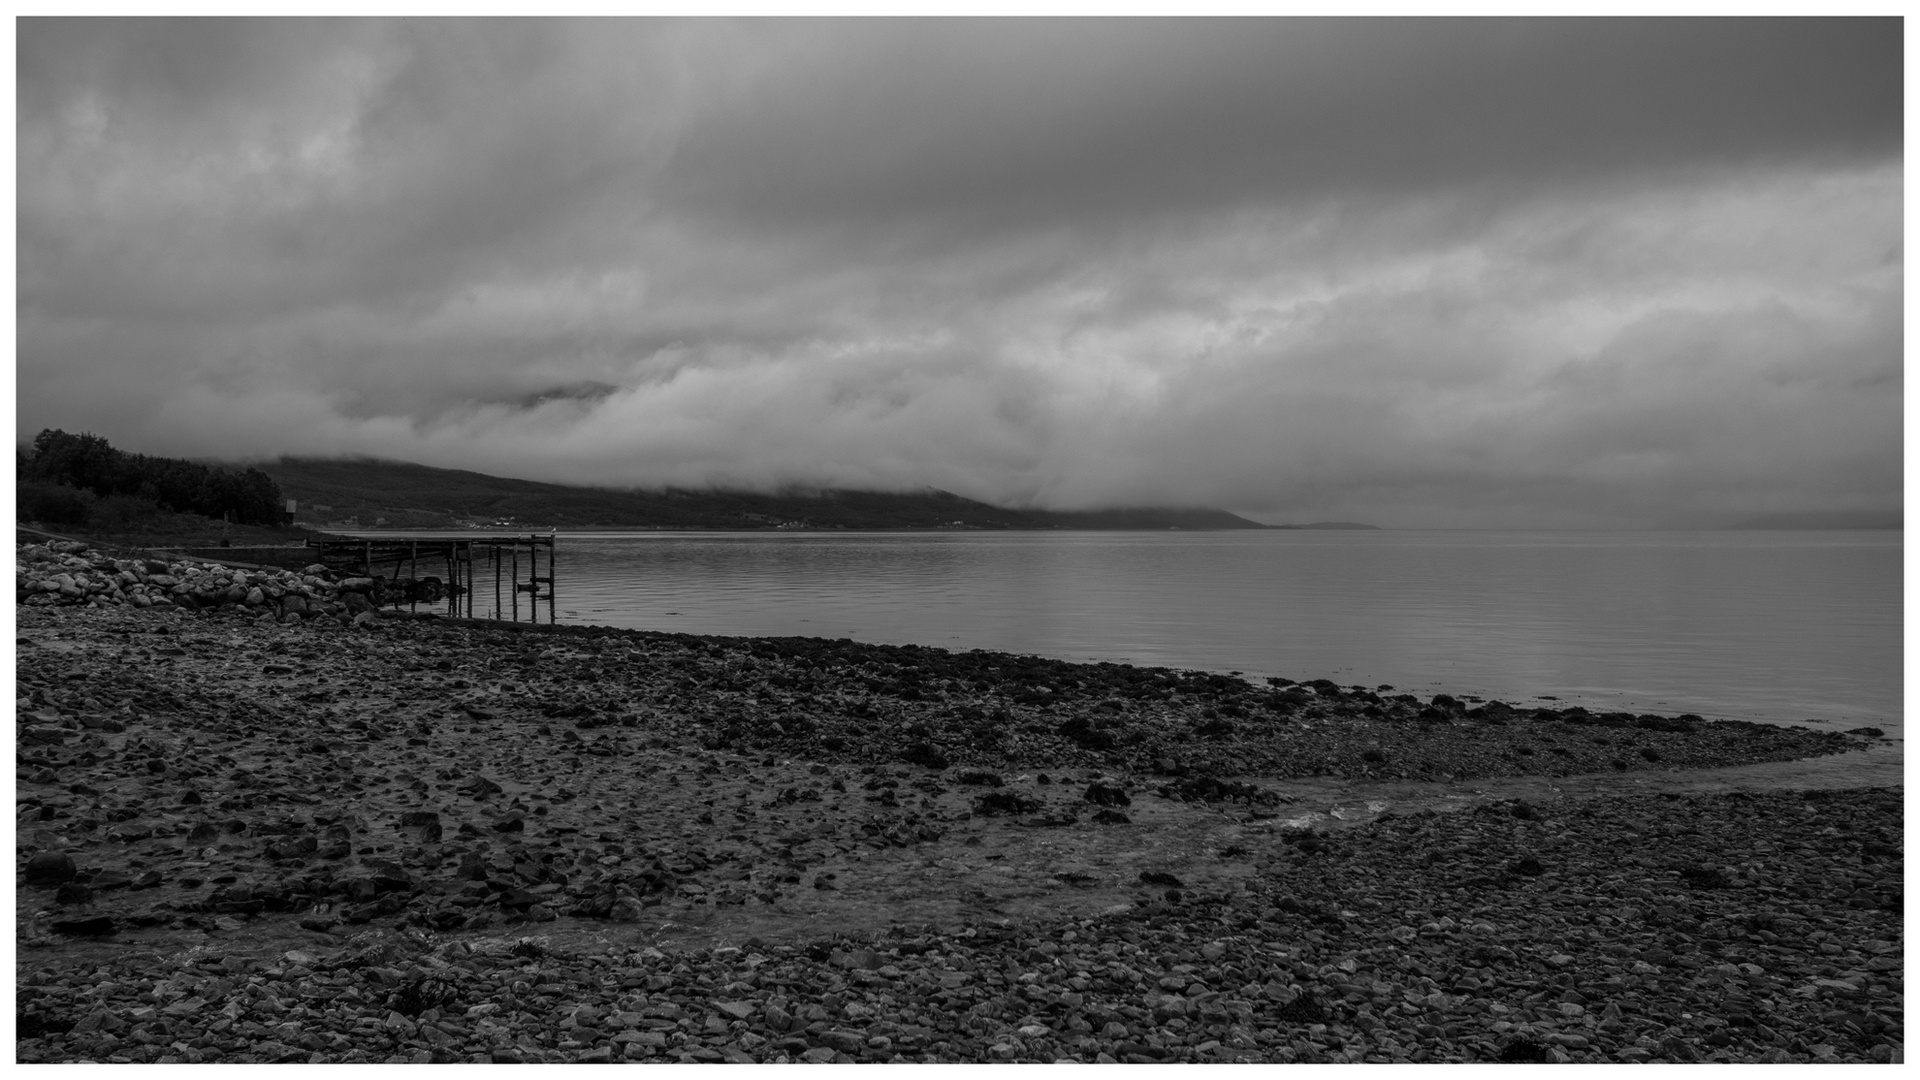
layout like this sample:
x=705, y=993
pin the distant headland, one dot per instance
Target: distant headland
x=82, y=483
x=365, y=493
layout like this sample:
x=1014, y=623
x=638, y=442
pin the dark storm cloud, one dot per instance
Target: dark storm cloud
x=1445, y=272
x=1055, y=117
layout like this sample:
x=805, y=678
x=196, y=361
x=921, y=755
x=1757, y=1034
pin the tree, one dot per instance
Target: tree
x=84, y=461
x=87, y=462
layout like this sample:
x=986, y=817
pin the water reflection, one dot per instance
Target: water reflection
x=1781, y=626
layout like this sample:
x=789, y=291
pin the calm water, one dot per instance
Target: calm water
x=1782, y=626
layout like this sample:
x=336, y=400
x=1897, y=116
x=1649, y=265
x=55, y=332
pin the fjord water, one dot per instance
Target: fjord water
x=1773, y=626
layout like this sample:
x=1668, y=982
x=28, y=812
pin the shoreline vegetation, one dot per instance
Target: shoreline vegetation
x=261, y=821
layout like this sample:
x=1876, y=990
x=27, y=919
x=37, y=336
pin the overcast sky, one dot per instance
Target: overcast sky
x=1419, y=273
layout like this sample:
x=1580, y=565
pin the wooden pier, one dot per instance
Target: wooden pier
x=455, y=572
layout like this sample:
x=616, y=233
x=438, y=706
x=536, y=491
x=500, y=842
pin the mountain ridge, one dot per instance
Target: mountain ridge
x=368, y=492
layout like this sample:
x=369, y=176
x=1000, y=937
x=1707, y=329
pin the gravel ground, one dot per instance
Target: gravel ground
x=422, y=841
x=1765, y=929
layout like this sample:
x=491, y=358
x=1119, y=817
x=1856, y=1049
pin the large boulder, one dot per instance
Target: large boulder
x=50, y=868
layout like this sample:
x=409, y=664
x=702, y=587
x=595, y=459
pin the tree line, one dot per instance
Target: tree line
x=66, y=479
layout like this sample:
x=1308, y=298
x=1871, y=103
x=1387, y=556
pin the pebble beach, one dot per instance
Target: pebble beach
x=262, y=820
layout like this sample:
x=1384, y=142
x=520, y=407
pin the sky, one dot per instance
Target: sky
x=1418, y=273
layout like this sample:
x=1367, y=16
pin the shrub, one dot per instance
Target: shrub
x=52, y=504
x=122, y=513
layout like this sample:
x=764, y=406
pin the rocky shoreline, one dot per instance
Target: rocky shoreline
x=261, y=830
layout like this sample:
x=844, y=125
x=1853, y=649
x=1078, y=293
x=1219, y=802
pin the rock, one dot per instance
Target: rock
x=924, y=754
x=1523, y=1051
x=648, y=1040
x=365, y=913
x=480, y=787
x=96, y=926
x=424, y=825
x=49, y=868
x=1005, y=802
x=1705, y=877
x=106, y=881
x=1107, y=795
x=389, y=876
x=847, y=1042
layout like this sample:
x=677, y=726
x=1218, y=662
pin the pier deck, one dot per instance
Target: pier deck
x=465, y=562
